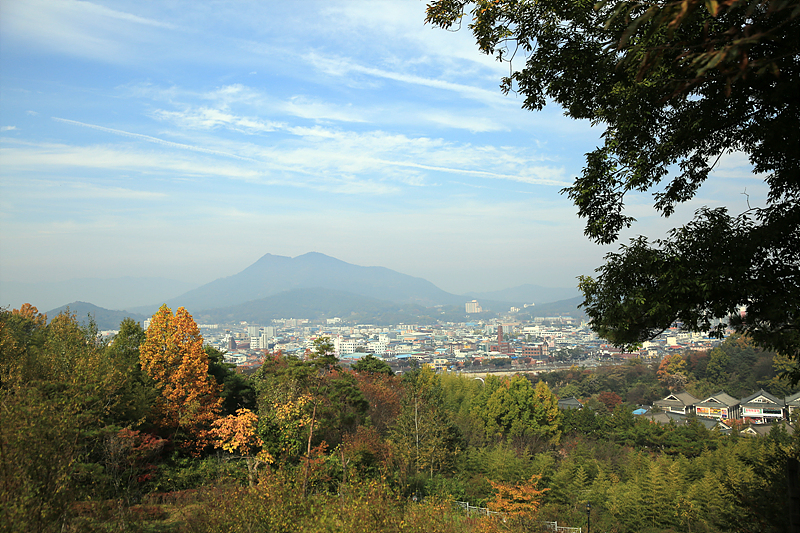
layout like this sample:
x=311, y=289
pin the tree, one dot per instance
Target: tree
x=239, y=434
x=519, y=502
x=676, y=85
x=372, y=365
x=717, y=367
x=172, y=355
x=609, y=399
x=672, y=372
x=516, y=409
x=547, y=415
x=237, y=391
x=383, y=394
x=423, y=436
x=137, y=394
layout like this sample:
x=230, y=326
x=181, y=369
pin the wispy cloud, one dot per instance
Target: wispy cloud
x=210, y=118
x=8, y=128
x=64, y=189
x=155, y=140
x=80, y=28
x=349, y=153
x=342, y=67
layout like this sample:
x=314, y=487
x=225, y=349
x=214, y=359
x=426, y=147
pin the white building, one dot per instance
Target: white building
x=344, y=346
x=378, y=347
x=473, y=307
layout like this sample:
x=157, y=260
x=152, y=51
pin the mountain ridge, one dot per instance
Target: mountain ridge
x=272, y=274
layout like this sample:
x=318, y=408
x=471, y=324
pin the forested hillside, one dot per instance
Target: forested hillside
x=153, y=432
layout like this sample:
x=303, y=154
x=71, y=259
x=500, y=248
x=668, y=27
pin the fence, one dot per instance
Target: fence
x=471, y=509
x=553, y=526
x=483, y=511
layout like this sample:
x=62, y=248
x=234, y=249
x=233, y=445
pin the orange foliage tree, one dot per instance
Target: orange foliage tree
x=172, y=355
x=516, y=503
x=237, y=434
x=672, y=372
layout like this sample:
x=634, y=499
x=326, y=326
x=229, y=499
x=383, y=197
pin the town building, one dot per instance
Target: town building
x=473, y=307
x=678, y=402
x=762, y=407
x=721, y=406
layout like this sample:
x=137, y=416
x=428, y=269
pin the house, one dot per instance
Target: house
x=666, y=418
x=792, y=404
x=720, y=406
x=570, y=403
x=764, y=429
x=762, y=408
x=679, y=402
x=679, y=419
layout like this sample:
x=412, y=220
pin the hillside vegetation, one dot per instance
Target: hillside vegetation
x=154, y=432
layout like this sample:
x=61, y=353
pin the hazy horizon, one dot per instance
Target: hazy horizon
x=185, y=141
x=120, y=293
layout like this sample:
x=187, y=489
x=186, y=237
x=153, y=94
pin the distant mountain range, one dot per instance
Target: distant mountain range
x=312, y=285
x=116, y=293
x=319, y=303
x=104, y=319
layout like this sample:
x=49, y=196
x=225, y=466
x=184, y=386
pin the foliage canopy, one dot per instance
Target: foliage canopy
x=676, y=85
x=172, y=355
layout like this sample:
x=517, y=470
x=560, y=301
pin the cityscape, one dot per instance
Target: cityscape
x=498, y=345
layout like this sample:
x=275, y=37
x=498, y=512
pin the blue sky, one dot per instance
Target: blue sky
x=187, y=139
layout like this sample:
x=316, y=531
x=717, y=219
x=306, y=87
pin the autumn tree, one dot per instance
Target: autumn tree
x=172, y=355
x=238, y=434
x=383, y=393
x=21, y=332
x=609, y=399
x=518, y=503
x=672, y=372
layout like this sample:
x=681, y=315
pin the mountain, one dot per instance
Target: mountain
x=114, y=293
x=104, y=318
x=273, y=274
x=527, y=294
x=314, y=303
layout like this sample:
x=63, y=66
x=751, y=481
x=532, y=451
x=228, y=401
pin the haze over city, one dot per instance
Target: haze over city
x=186, y=140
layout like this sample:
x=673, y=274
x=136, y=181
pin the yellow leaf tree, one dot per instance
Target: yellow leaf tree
x=516, y=503
x=237, y=434
x=172, y=355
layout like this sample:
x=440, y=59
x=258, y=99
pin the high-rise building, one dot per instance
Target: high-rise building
x=473, y=307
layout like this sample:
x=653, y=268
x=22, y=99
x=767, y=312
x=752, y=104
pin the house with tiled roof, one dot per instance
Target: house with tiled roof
x=570, y=403
x=677, y=402
x=679, y=419
x=764, y=429
x=720, y=406
x=792, y=404
x=762, y=408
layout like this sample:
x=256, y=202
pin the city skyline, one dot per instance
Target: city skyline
x=186, y=140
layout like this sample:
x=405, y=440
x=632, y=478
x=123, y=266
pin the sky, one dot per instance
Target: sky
x=185, y=140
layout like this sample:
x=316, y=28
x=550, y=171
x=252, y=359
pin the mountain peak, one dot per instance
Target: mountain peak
x=273, y=274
